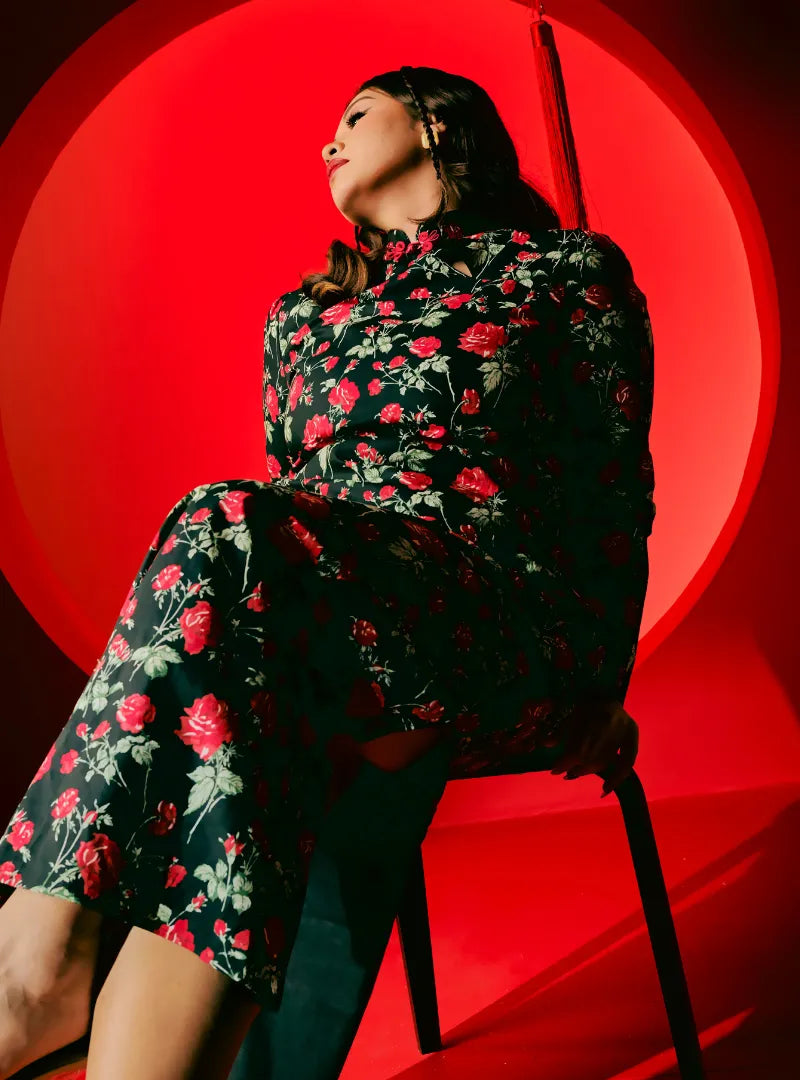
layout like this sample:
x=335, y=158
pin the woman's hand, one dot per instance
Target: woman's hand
x=598, y=735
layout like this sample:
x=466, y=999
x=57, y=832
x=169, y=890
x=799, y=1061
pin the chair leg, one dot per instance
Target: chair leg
x=414, y=931
x=661, y=928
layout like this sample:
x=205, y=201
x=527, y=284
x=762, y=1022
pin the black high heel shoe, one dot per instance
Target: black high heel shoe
x=112, y=935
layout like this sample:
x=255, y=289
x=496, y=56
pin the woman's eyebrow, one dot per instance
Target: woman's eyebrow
x=352, y=103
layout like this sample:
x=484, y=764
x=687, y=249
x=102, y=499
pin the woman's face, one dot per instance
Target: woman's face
x=388, y=175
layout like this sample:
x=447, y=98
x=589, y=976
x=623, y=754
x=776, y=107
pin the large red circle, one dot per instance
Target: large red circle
x=166, y=184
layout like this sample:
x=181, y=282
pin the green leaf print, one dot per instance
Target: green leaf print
x=99, y=695
x=155, y=659
x=200, y=794
x=164, y=913
x=142, y=753
x=229, y=783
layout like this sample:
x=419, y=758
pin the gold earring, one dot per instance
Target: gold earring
x=425, y=142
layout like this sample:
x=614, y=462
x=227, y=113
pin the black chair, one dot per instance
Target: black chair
x=415, y=937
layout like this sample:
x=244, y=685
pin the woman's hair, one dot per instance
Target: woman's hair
x=479, y=171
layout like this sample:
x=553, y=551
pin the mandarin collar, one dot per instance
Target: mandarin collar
x=457, y=223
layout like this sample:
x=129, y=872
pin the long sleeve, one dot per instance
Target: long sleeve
x=604, y=359
x=274, y=395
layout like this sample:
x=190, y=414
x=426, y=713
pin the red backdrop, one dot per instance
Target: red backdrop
x=164, y=182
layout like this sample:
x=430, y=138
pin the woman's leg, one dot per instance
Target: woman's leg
x=357, y=876
x=165, y=1014
x=48, y=952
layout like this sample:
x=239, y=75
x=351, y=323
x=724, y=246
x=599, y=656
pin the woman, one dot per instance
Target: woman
x=449, y=558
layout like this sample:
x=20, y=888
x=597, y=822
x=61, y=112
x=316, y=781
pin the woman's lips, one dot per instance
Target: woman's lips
x=338, y=165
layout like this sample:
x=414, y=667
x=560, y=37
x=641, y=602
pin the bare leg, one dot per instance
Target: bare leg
x=164, y=1014
x=48, y=952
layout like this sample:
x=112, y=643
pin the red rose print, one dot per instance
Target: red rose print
x=483, y=339
x=179, y=932
x=65, y=803
x=417, y=481
x=306, y=537
x=299, y=334
x=452, y=303
x=475, y=484
x=424, y=347
x=599, y=296
x=205, y=725
x=68, y=761
x=134, y=712
x=523, y=316
x=273, y=467
x=167, y=577
x=364, y=632
x=295, y=391
x=345, y=395
x=175, y=875
x=337, y=313
x=201, y=626
x=318, y=432
x=391, y=413
x=21, y=834
x=102, y=729
x=119, y=647
x=256, y=600
x=627, y=397
x=9, y=874
x=433, y=711
x=100, y=862
x=271, y=402
x=241, y=940
x=232, y=505
x=220, y=928
x=231, y=844
x=470, y=402
x=166, y=815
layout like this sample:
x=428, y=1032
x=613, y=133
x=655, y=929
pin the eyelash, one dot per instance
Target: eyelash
x=351, y=120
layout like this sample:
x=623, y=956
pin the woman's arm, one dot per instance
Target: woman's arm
x=605, y=385
x=604, y=365
x=274, y=395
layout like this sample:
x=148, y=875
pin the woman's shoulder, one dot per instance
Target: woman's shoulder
x=287, y=305
x=574, y=256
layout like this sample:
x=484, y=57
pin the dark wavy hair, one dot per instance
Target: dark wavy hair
x=479, y=169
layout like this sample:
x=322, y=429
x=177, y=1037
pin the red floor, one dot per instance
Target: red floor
x=543, y=963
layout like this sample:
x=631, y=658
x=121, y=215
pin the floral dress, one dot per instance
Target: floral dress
x=452, y=530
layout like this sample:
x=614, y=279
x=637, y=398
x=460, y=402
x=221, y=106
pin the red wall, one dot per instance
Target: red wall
x=716, y=701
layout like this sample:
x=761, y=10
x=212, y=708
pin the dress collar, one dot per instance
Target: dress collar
x=457, y=224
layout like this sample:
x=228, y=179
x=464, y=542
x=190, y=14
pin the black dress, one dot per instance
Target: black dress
x=452, y=531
